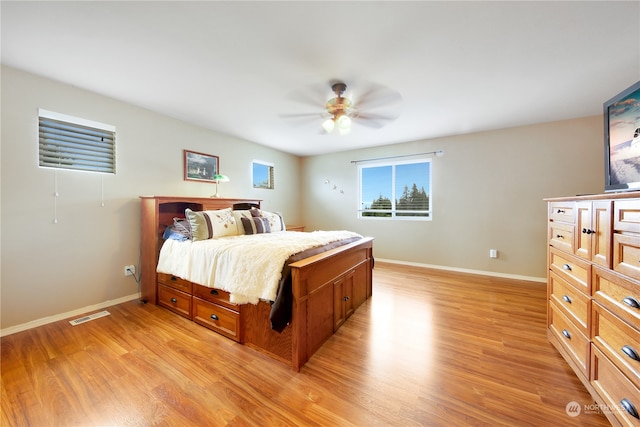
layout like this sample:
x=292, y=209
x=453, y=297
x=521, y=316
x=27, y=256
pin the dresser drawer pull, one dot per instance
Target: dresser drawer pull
x=567, y=267
x=174, y=300
x=631, y=302
x=628, y=406
x=566, y=334
x=567, y=299
x=214, y=292
x=630, y=351
x=214, y=317
x=174, y=278
x=559, y=236
x=560, y=211
x=587, y=231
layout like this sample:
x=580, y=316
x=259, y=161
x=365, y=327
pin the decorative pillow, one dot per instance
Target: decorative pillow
x=275, y=220
x=238, y=215
x=255, y=212
x=211, y=224
x=255, y=225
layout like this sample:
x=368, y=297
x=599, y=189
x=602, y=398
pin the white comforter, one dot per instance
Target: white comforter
x=249, y=267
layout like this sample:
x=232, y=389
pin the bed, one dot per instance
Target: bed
x=320, y=287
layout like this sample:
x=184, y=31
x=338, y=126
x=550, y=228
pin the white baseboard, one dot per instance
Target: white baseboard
x=45, y=320
x=465, y=270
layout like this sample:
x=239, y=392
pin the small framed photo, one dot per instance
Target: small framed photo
x=200, y=167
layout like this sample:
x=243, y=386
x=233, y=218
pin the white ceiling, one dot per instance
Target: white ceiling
x=238, y=67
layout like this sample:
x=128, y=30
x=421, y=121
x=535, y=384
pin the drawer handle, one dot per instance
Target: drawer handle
x=559, y=236
x=560, y=211
x=566, y=334
x=628, y=406
x=587, y=231
x=174, y=278
x=174, y=300
x=346, y=298
x=567, y=267
x=630, y=351
x=631, y=302
x=214, y=317
x=567, y=299
x=214, y=292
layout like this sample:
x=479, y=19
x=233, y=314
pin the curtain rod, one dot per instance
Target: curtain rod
x=438, y=153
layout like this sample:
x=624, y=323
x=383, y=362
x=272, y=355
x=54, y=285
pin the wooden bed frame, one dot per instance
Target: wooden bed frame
x=327, y=288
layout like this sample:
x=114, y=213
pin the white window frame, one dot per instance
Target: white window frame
x=270, y=174
x=394, y=196
x=90, y=161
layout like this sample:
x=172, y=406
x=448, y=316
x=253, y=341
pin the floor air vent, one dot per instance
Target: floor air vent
x=85, y=319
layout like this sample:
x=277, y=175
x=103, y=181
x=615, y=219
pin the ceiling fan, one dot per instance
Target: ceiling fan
x=341, y=111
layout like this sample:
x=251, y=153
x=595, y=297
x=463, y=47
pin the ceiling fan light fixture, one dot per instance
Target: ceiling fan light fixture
x=328, y=125
x=344, y=122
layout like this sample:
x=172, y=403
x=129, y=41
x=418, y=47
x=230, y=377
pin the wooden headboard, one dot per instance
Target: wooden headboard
x=157, y=212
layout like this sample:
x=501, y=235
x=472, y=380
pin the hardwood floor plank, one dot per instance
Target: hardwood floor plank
x=430, y=348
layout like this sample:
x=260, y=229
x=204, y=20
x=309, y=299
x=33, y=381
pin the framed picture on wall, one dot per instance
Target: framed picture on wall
x=200, y=167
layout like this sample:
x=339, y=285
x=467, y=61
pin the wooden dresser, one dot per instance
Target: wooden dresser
x=594, y=296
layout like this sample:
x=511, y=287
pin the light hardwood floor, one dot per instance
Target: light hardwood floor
x=429, y=349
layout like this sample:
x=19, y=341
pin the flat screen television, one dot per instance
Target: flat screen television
x=622, y=140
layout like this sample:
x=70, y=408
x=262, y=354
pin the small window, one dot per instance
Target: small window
x=396, y=190
x=75, y=144
x=263, y=175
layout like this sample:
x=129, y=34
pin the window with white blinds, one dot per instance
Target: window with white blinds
x=72, y=143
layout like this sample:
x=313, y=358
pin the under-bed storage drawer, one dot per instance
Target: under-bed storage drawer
x=175, y=300
x=217, y=318
x=217, y=296
x=175, y=282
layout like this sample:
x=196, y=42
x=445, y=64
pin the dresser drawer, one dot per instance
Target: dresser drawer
x=570, y=337
x=574, y=303
x=574, y=270
x=618, y=341
x=175, y=282
x=626, y=254
x=175, y=300
x=217, y=318
x=617, y=293
x=621, y=397
x=562, y=212
x=561, y=236
x=626, y=215
x=217, y=296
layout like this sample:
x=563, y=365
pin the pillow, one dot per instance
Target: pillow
x=238, y=215
x=211, y=224
x=275, y=220
x=256, y=225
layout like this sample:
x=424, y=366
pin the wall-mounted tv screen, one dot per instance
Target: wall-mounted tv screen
x=622, y=140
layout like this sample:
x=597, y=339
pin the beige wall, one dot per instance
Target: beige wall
x=49, y=269
x=487, y=194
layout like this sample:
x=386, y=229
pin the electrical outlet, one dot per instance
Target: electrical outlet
x=493, y=253
x=129, y=270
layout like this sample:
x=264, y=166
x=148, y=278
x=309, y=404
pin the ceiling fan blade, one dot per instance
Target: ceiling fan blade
x=375, y=96
x=301, y=115
x=373, y=116
x=313, y=95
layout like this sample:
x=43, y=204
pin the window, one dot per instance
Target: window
x=396, y=190
x=75, y=144
x=262, y=175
